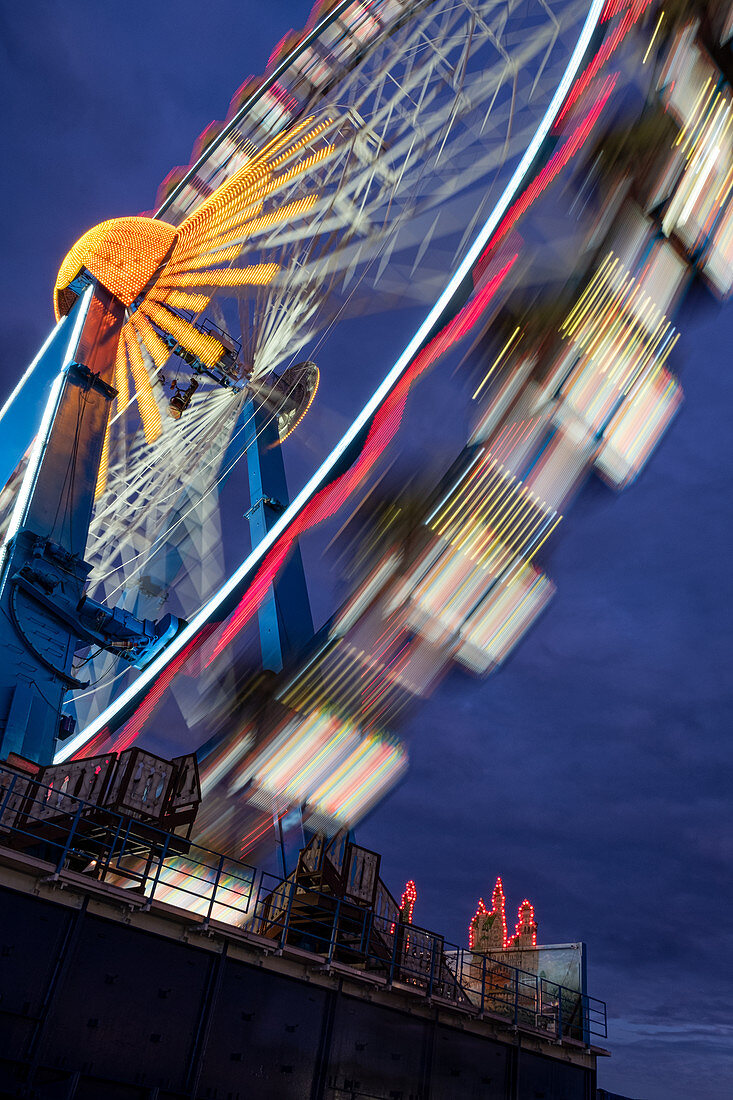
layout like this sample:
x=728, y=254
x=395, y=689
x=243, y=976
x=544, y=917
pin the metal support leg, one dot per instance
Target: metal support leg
x=46, y=538
x=71, y=937
x=203, y=1030
x=285, y=620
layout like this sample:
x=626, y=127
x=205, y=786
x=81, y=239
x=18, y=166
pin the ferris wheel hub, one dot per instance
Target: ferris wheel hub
x=289, y=395
x=123, y=254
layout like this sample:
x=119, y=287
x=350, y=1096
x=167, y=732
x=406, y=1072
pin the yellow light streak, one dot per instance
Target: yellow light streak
x=208, y=349
x=181, y=299
x=691, y=121
x=157, y=348
x=252, y=275
x=121, y=383
x=544, y=540
x=458, y=505
x=598, y=285
x=148, y=406
x=496, y=362
x=103, y=463
x=598, y=278
x=651, y=40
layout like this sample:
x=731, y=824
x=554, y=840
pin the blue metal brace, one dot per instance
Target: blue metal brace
x=284, y=616
x=285, y=620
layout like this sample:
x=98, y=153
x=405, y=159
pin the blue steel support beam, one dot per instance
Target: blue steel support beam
x=43, y=553
x=284, y=618
x=285, y=621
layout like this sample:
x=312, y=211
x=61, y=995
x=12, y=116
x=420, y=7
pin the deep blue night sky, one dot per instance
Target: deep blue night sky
x=594, y=771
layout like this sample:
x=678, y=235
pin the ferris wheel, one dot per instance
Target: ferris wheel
x=351, y=177
x=384, y=147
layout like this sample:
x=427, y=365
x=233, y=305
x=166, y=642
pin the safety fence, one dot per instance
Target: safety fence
x=69, y=833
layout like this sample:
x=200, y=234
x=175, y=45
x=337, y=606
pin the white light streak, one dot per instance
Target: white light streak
x=44, y=431
x=29, y=370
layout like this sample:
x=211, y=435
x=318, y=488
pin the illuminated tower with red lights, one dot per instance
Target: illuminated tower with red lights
x=407, y=901
x=525, y=932
x=488, y=928
x=487, y=931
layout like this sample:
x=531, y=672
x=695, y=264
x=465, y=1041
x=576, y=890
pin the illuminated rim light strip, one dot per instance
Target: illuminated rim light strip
x=32, y=366
x=282, y=68
x=41, y=442
x=329, y=464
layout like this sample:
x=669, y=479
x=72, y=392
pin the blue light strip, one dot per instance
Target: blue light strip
x=42, y=436
x=30, y=369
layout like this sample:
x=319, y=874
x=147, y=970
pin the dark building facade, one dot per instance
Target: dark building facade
x=107, y=994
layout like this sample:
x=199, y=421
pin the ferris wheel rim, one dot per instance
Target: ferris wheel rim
x=128, y=480
x=115, y=714
x=258, y=94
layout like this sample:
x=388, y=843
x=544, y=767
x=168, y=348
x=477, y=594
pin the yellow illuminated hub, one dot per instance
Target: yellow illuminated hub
x=122, y=254
x=158, y=269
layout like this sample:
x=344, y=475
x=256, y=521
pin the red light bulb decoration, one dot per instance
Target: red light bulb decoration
x=499, y=908
x=488, y=930
x=481, y=911
x=525, y=931
x=407, y=901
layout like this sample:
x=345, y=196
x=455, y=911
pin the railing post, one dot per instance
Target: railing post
x=585, y=1018
x=103, y=869
x=483, y=983
x=69, y=836
x=395, y=939
x=516, y=996
x=559, y=1013
x=432, y=966
x=123, y=844
x=366, y=932
x=260, y=896
x=334, y=931
x=7, y=796
x=161, y=861
x=251, y=874
x=286, y=921
x=214, y=887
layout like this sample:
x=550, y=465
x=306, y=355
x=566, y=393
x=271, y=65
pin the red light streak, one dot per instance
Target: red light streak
x=609, y=46
x=133, y=727
x=256, y=834
x=557, y=161
x=613, y=7
x=274, y=56
x=92, y=747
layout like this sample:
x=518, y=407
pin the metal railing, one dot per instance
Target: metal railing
x=71, y=834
